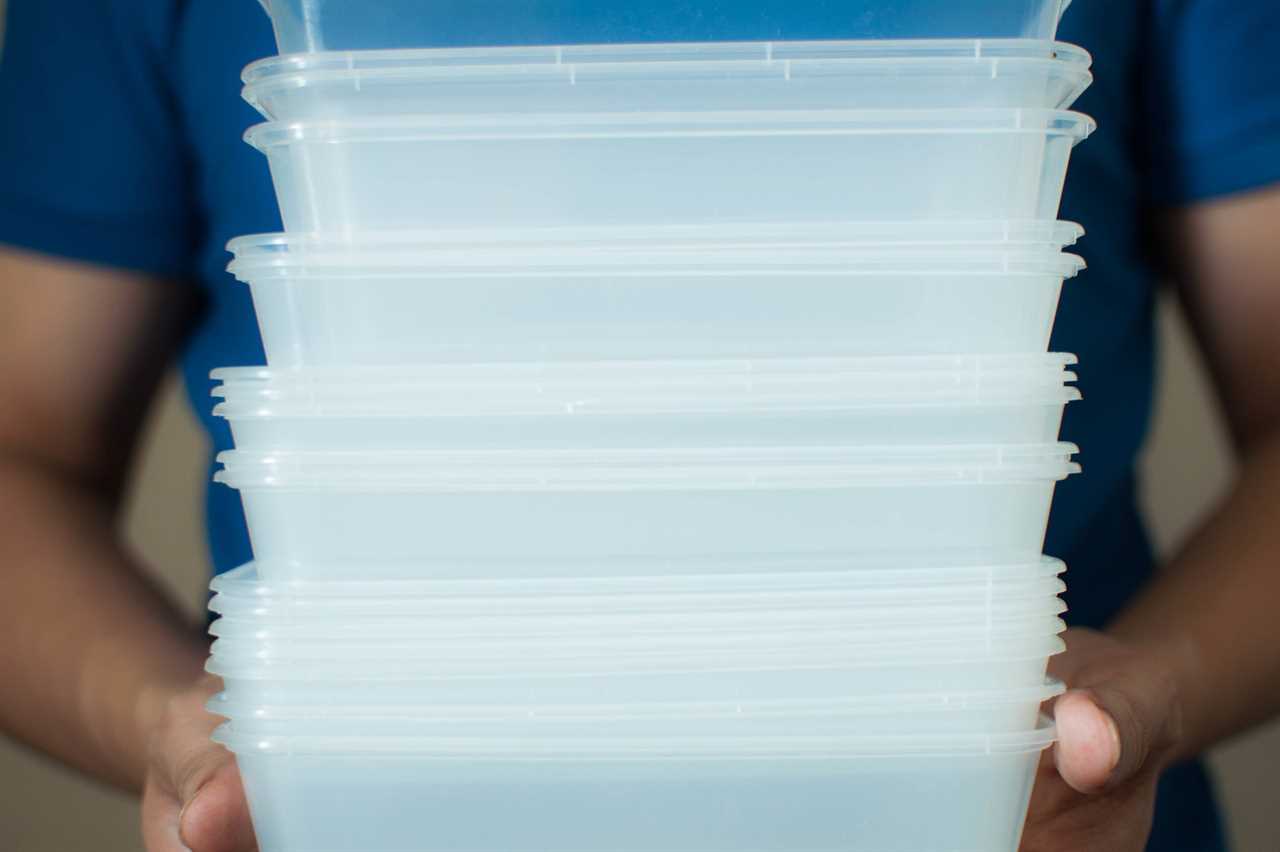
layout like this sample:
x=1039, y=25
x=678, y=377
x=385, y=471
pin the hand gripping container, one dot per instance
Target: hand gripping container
x=670, y=78
x=315, y=25
x=612, y=294
x=315, y=512
x=644, y=168
x=771, y=794
x=944, y=400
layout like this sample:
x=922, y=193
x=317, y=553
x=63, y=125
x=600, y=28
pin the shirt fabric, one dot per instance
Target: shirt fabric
x=120, y=126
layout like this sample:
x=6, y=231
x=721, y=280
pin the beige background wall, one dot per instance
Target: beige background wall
x=44, y=809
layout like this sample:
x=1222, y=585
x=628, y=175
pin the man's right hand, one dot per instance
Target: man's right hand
x=193, y=800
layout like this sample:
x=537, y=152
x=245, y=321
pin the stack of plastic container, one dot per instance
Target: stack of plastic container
x=657, y=441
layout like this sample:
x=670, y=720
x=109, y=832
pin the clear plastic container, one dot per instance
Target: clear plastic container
x=626, y=404
x=314, y=514
x=514, y=170
x=313, y=25
x=852, y=794
x=640, y=302
x=815, y=671
x=671, y=78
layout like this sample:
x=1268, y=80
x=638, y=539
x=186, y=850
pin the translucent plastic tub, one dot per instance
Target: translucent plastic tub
x=513, y=170
x=311, y=25
x=314, y=513
x=628, y=404
x=390, y=305
x=812, y=672
x=852, y=794
x=671, y=78
x=1004, y=711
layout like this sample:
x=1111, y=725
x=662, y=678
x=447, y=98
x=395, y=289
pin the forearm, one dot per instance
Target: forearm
x=1212, y=616
x=89, y=648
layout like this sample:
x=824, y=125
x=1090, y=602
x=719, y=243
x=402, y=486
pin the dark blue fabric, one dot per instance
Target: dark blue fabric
x=120, y=124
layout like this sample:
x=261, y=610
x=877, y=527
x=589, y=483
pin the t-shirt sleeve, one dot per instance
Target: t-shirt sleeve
x=1213, y=98
x=93, y=165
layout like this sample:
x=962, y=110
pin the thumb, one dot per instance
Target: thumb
x=214, y=816
x=1118, y=722
x=200, y=778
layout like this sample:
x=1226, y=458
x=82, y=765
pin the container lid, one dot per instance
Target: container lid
x=638, y=262
x=474, y=581
x=959, y=370
x=556, y=642
x=622, y=125
x=951, y=599
x=642, y=388
x=962, y=236
x=871, y=704
x=581, y=63
x=232, y=664
x=873, y=621
x=729, y=469
x=571, y=749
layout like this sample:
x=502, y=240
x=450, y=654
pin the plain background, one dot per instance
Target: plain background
x=44, y=808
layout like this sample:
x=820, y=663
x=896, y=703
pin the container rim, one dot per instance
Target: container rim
x=378, y=670
x=662, y=372
x=747, y=54
x=316, y=406
x=223, y=705
x=537, y=264
x=644, y=470
x=641, y=645
x=553, y=750
x=944, y=234
x=892, y=607
x=247, y=580
x=515, y=126
x=257, y=623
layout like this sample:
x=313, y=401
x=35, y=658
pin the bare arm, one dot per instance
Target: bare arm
x=1197, y=657
x=89, y=649
x=1214, y=614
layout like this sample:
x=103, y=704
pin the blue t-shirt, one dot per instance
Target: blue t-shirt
x=120, y=125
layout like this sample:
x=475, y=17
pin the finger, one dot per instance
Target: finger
x=1089, y=745
x=215, y=817
x=1121, y=718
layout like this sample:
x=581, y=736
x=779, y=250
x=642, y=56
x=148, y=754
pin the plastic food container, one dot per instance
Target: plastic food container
x=812, y=671
x=412, y=304
x=637, y=168
x=313, y=514
x=671, y=78
x=311, y=25
x=773, y=794
x=627, y=404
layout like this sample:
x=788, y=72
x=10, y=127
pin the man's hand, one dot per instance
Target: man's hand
x=193, y=800
x=1118, y=727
